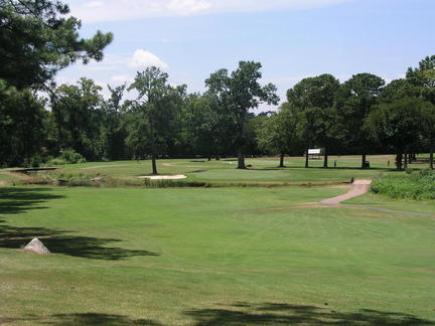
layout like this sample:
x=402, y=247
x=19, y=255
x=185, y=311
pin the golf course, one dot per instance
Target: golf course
x=217, y=162
x=252, y=247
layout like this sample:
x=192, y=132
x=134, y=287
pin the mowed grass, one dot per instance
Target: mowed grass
x=261, y=171
x=217, y=256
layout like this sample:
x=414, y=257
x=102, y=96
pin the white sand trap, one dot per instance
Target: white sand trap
x=164, y=177
x=358, y=188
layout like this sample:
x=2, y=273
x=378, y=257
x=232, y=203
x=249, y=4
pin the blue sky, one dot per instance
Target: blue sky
x=293, y=39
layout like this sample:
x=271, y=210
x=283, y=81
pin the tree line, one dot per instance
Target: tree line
x=39, y=120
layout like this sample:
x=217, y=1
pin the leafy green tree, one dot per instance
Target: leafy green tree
x=423, y=77
x=428, y=130
x=355, y=100
x=156, y=109
x=279, y=133
x=22, y=122
x=114, y=133
x=38, y=38
x=237, y=94
x=78, y=117
x=202, y=126
x=314, y=97
x=394, y=124
x=311, y=92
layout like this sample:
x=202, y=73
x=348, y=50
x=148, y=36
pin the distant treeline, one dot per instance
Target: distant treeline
x=39, y=120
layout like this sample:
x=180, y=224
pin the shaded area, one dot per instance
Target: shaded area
x=18, y=200
x=99, y=319
x=62, y=243
x=83, y=319
x=242, y=313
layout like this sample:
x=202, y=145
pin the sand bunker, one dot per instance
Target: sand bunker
x=164, y=177
x=358, y=188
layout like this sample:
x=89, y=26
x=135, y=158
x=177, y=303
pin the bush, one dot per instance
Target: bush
x=68, y=156
x=417, y=185
x=36, y=161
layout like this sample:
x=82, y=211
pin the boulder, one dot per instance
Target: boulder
x=37, y=247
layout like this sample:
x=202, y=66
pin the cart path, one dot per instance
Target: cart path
x=358, y=188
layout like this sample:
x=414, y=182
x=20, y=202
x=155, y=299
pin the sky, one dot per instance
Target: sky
x=293, y=39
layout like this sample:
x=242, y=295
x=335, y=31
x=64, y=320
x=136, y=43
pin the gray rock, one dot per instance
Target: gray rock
x=37, y=247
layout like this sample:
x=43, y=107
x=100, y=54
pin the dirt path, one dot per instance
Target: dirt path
x=358, y=188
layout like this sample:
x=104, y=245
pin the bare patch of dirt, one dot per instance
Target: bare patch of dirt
x=358, y=188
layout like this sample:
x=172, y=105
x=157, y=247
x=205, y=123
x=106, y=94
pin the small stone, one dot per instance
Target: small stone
x=37, y=247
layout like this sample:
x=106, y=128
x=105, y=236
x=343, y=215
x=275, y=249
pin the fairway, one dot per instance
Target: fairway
x=261, y=172
x=234, y=256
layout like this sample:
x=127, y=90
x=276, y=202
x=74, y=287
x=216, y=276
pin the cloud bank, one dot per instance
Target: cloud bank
x=117, y=10
x=143, y=59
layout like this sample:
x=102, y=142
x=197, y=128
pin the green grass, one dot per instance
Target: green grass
x=263, y=171
x=217, y=256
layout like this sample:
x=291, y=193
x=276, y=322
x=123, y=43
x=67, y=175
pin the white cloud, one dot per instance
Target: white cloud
x=142, y=59
x=188, y=7
x=93, y=4
x=116, y=10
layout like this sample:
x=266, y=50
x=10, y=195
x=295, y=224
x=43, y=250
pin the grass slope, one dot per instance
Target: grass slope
x=232, y=256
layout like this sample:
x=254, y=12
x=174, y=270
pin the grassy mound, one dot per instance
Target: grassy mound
x=417, y=185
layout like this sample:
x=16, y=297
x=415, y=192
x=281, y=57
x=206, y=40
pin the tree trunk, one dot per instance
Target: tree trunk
x=406, y=161
x=307, y=159
x=154, y=163
x=325, y=160
x=399, y=159
x=431, y=156
x=363, y=161
x=412, y=157
x=241, y=161
x=281, y=160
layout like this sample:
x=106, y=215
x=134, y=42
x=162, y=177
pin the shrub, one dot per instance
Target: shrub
x=417, y=185
x=36, y=161
x=68, y=156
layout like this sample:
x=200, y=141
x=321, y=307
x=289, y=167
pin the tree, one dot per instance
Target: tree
x=423, y=78
x=22, y=125
x=394, y=124
x=156, y=110
x=428, y=130
x=316, y=91
x=76, y=110
x=238, y=93
x=113, y=130
x=202, y=126
x=314, y=97
x=38, y=38
x=355, y=100
x=278, y=135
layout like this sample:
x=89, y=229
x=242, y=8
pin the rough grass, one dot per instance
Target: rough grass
x=414, y=185
x=218, y=256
